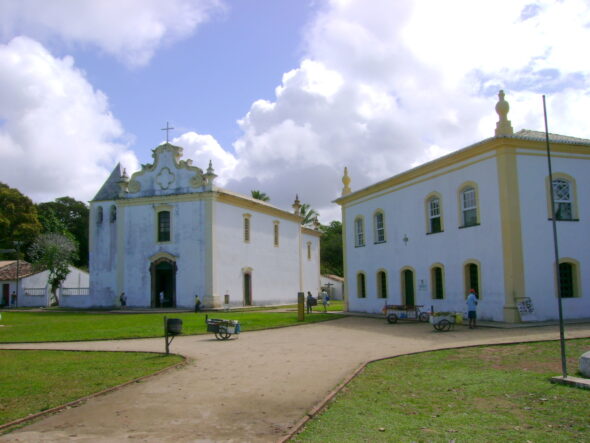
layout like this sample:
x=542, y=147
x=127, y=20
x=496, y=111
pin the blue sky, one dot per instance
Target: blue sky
x=279, y=94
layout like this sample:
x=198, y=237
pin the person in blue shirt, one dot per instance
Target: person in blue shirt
x=472, y=308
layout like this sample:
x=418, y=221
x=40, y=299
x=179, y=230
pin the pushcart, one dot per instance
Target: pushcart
x=443, y=321
x=223, y=329
x=393, y=313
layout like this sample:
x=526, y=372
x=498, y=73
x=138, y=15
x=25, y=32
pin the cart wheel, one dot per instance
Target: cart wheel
x=424, y=316
x=445, y=325
x=392, y=318
x=222, y=334
x=437, y=326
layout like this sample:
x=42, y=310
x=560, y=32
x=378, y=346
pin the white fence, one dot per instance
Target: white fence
x=74, y=291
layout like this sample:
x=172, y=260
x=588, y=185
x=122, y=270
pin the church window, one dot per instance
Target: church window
x=99, y=215
x=434, y=215
x=361, y=286
x=309, y=250
x=472, y=278
x=359, y=232
x=276, y=233
x=379, y=227
x=246, y=228
x=113, y=214
x=469, y=206
x=381, y=284
x=163, y=226
x=568, y=279
x=562, y=198
x=436, y=282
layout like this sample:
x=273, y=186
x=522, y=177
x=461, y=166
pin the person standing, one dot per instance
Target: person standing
x=472, y=308
x=13, y=299
x=309, y=302
x=161, y=299
x=123, y=300
x=197, y=303
x=325, y=300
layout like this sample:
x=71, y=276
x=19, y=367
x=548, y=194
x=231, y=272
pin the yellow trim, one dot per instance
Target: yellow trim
x=309, y=231
x=157, y=209
x=577, y=283
x=163, y=256
x=573, y=192
x=120, y=227
x=432, y=281
x=210, y=248
x=382, y=212
x=429, y=197
x=488, y=148
x=464, y=186
x=345, y=292
x=511, y=224
x=403, y=284
x=245, y=203
x=275, y=233
x=358, y=285
x=378, y=285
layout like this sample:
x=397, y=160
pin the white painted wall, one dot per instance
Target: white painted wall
x=311, y=267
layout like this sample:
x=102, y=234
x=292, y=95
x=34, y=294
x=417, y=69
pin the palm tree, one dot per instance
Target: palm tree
x=259, y=195
x=308, y=214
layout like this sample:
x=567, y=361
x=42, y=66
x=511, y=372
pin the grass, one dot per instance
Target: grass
x=19, y=327
x=484, y=394
x=34, y=381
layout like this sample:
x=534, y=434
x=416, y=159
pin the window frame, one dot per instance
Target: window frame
x=99, y=215
x=379, y=232
x=434, y=289
x=467, y=186
x=467, y=274
x=573, y=200
x=359, y=232
x=246, y=228
x=276, y=233
x=361, y=285
x=428, y=213
x=574, y=275
x=381, y=284
x=113, y=214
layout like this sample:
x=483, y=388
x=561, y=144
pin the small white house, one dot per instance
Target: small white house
x=334, y=285
x=479, y=218
x=34, y=289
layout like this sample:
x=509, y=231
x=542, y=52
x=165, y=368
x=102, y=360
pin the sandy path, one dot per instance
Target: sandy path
x=252, y=389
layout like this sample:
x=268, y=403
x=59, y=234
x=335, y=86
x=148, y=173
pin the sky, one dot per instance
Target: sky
x=280, y=95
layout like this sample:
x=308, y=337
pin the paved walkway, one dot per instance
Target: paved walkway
x=253, y=389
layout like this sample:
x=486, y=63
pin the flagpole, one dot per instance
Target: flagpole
x=555, y=247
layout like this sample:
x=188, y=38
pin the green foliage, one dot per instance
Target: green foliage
x=487, y=394
x=308, y=213
x=23, y=327
x=33, y=381
x=69, y=217
x=18, y=217
x=258, y=195
x=331, y=259
x=53, y=252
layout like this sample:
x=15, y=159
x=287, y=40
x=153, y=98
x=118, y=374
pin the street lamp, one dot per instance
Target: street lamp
x=17, y=245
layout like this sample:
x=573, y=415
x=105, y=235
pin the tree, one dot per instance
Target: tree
x=258, y=195
x=308, y=214
x=331, y=261
x=69, y=217
x=54, y=253
x=18, y=217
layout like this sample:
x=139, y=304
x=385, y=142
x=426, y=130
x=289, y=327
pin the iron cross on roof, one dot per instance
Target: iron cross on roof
x=167, y=129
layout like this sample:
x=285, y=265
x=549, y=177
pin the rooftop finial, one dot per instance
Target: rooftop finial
x=167, y=129
x=503, y=127
x=346, y=180
x=296, y=205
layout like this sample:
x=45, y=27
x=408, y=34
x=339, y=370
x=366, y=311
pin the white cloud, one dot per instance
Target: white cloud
x=131, y=30
x=58, y=135
x=386, y=86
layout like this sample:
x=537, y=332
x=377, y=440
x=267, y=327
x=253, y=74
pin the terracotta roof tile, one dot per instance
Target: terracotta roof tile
x=8, y=270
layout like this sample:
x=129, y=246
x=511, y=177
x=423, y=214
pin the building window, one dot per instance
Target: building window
x=359, y=232
x=276, y=233
x=381, y=284
x=99, y=215
x=163, y=226
x=246, y=228
x=113, y=214
x=361, y=286
x=472, y=278
x=469, y=206
x=379, y=227
x=309, y=250
x=437, y=284
x=562, y=199
x=568, y=279
x=434, y=215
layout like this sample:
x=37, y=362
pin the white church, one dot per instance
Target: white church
x=169, y=233
x=479, y=218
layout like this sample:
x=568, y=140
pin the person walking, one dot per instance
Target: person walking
x=197, y=303
x=309, y=302
x=472, y=308
x=325, y=300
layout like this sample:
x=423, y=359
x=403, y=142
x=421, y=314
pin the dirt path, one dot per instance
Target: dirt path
x=254, y=389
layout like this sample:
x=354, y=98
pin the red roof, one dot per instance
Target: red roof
x=8, y=269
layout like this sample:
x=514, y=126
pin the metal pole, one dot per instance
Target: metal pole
x=555, y=247
x=17, y=243
x=166, y=336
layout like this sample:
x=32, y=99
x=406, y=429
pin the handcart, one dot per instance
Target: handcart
x=223, y=329
x=444, y=321
x=393, y=313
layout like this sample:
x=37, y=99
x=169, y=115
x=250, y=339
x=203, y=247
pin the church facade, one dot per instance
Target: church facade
x=169, y=233
x=479, y=218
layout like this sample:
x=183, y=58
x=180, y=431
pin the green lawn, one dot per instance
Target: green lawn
x=34, y=381
x=483, y=394
x=19, y=327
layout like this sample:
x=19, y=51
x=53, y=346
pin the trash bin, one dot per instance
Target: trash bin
x=174, y=326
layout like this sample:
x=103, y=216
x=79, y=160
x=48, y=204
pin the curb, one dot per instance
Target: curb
x=79, y=401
